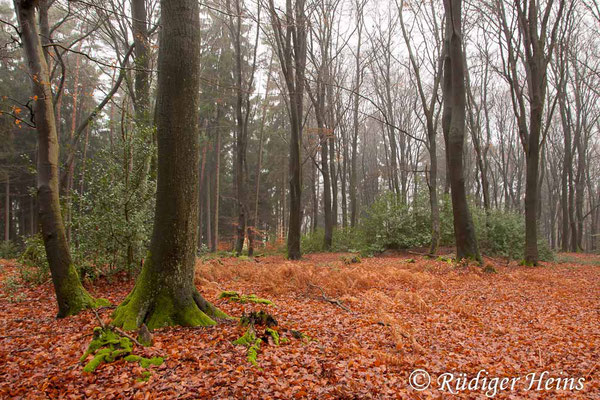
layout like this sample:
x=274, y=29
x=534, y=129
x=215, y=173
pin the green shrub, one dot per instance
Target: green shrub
x=313, y=242
x=544, y=251
x=351, y=240
x=501, y=233
x=112, y=219
x=8, y=250
x=13, y=289
x=392, y=224
x=34, y=264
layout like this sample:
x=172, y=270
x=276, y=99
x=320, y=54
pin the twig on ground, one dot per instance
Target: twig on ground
x=102, y=325
x=123, y=333
x=114, y=328
x=329, y=299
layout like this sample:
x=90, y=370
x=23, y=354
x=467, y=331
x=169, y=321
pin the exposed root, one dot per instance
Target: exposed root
x=108, y=346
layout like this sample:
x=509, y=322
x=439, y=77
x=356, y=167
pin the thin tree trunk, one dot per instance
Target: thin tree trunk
x=315, y=198
x=357, y=85
x=217, y=194
x=71, y=168
x=205, y=145
x=7, y=210
x=261, y=141
x=84, y=161
x=290, y=36
x=209, y=217
x=565, y=177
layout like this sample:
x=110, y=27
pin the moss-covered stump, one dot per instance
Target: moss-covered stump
x=72, y=296
x=250, y=339
x=159, y=301
x=259, y=318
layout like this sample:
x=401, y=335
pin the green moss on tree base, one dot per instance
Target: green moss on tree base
x=526, y=263
x=490, y=269
x=158, y=312
x=73, y=298
x=157, y=304
x=258, y=318
x=354, y=259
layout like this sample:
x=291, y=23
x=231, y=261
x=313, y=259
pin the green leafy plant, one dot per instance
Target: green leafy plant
x=8, y=250
x=34, y=264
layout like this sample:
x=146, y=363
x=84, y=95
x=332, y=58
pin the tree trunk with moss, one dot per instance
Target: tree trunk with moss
x=164, y=293
x=70, y=293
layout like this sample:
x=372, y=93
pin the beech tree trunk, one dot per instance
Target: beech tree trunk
x=261, y=142
x=164, y=293
x=70, y=293
x=290, y=38
x=357, y=85
x=454, y=98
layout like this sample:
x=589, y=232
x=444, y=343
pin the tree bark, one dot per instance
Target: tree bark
x=217, y=193
x=164, y=293
x=290, y=37
x=454, y=98
x=70, y=294
x=7, y=210
x=355, y=120
x=261, y=142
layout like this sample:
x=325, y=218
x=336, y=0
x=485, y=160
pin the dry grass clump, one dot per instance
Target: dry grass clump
x=335, y=278
x=464, y=308
x=412, y=299
x=540, y=277
x=381, y=307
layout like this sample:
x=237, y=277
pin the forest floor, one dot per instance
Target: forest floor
x=406, y=312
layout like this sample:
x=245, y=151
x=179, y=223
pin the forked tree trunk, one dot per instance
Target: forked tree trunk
x=164, y=293
x=70, y=294
x=454, y=132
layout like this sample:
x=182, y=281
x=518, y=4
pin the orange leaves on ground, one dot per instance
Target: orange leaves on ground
x=404, y=315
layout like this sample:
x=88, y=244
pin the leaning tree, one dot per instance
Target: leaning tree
x=70, y=294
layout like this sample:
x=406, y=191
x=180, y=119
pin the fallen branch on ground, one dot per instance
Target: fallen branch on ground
x=329, y=299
